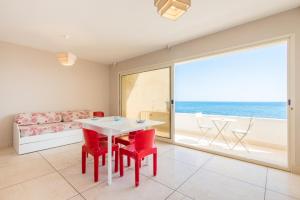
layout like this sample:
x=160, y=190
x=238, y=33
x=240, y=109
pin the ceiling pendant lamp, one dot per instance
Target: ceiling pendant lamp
x=172, y=9
x=66, y=58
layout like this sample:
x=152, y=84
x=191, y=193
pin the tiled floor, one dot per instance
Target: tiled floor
x=183, y=174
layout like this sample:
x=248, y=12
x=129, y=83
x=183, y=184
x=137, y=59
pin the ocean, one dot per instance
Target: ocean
x=277, y=110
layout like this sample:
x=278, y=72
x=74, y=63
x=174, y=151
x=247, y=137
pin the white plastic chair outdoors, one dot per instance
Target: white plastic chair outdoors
x=240, y=134
x=203, y=125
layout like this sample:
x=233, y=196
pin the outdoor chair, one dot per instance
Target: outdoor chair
x=203, y=125
x=240, y=134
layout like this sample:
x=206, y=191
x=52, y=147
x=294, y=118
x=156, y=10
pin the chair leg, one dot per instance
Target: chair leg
x=96, y=168
x=154, y=164
x=83, y=161
x=116, y=160
x=137, y=172
x=128, y=161
x=103, y=159
x=121, y=164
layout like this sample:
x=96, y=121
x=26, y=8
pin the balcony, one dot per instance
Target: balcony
x=266, y=142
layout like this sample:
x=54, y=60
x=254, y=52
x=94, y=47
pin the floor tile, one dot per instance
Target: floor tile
x=77, y=197
x=163, y=147
x=51, y=186
x=123, y=188
x=9, y=156
x=178, y=196
x=18, y=168
x=63, y=157
x=212, y=186
x=188, y=156
x=30, y=176
x=170, y=171
x=284, y=182
x=243, y=171
x=85, y=181
x=81, y=181
x=276, y=196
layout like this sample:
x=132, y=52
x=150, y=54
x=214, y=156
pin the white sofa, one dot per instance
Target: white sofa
x=43, y=130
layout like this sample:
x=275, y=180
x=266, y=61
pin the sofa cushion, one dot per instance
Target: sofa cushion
x=38, y=118
x=39, y=129
x=71, y=125
x=69, y=116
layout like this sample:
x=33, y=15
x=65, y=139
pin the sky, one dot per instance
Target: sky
x=257, y=74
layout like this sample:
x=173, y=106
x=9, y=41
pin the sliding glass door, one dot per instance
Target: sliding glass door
x=147, y=95
x=236, y=103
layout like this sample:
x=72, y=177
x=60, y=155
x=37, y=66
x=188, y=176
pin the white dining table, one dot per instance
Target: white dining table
x=113, y=126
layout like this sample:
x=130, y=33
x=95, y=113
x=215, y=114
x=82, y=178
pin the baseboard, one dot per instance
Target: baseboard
x=295, y=170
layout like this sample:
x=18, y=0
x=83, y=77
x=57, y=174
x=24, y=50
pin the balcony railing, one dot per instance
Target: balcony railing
x=266, y=132
x=266, y=142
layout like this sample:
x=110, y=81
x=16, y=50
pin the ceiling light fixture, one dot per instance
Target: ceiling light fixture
x=172, y=9
x=66, y=58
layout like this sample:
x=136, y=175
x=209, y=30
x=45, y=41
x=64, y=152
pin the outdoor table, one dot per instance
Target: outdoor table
x=221, y=124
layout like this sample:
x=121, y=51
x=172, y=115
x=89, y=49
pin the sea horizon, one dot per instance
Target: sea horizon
x=261, y=109
x=236, y=101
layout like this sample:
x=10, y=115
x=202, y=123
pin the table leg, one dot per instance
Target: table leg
x=109, y=158
x=224, y=127
x=220, y=132
x=239, y=141
x=217, y=127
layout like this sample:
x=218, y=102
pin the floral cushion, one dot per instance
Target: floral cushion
x=69, y=116
x=39, y=129
x=38, y=118
x=72, y=125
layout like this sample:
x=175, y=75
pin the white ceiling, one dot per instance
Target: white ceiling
x=108, y=31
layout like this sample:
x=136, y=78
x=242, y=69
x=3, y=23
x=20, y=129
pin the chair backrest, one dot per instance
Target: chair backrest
x=202, y=120
x=131, y=134
x=251, y=123
x=198, y=117
x=98, y=114
x=144, y=139
x=91, y=139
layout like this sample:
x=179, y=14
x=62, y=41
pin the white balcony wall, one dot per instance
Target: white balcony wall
x=266, y=132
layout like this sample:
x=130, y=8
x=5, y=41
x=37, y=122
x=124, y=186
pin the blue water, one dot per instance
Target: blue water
x=276, y=110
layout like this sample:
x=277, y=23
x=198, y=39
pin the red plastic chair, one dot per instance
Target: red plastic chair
x=126, y=140
x=143, y=146
x=96, y=148
x=98, y=114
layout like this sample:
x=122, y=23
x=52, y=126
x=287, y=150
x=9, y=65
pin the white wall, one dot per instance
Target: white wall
x=263, y=29
x=33, y=80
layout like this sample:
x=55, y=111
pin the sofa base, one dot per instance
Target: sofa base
x=29, y=144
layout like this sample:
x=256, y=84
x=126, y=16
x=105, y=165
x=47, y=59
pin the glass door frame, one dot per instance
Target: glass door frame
x=291, y=149
x=291, y=90
x=171, y=78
